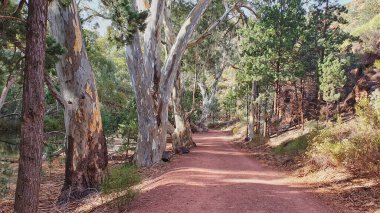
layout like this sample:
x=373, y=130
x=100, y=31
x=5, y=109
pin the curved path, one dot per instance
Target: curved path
x=216, y=177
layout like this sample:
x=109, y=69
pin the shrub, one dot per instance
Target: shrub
x=54, y=123
x=120, y=181
x=355, y=144
x=293, y=147
x=5, y=174
x=376, y=64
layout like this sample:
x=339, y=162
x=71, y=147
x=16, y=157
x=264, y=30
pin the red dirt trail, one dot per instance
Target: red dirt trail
x=217, y=177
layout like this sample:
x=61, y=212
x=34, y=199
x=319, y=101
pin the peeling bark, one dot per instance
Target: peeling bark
x=86, y=155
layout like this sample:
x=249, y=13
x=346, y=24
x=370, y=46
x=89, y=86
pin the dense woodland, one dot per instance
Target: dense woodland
x=166, y=69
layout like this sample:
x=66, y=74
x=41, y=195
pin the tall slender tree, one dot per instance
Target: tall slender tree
x=29, y=173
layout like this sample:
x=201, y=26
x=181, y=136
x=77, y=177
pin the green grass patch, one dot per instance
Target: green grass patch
x=294, y=147
x=119, y=182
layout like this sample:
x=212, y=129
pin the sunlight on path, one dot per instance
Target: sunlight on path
x=216, y=177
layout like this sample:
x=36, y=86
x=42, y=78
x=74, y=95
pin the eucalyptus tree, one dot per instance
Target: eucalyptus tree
x=218, y=53
x=152, y=73
x=32, y=127
x=152, y=80
x=214, y=19
x=86, y=151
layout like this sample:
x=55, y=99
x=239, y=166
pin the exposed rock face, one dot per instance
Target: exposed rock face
x=365, y=84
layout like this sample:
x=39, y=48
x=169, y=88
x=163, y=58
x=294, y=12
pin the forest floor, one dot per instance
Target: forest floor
x=218, y=177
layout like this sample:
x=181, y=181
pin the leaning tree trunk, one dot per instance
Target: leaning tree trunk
x=10, y=81
x=32, y=127
x=86, y=153
x=182, y=135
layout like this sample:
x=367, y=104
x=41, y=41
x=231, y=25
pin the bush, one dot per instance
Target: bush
x=355, y=144
x=5, y=174
x=54, y=123
x=120, y=181
x=293, y=147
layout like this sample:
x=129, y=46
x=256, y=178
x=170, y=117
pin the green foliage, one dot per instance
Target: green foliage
x=65, y=2
x=118, y=105
x=120, y=181
x=360, y=13
x=270, y=44
x=332, y=78
x=5, y=174
x=230, y=102
x=54, y=123
x=214, y=108
x=126, y=21
x=377, y=64
x=53, y=51
x=354, y=144
x=364, y=21
x=294, y=147
x=368, y=110
x=375, y=103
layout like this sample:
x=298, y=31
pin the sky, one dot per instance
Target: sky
x=104, y=24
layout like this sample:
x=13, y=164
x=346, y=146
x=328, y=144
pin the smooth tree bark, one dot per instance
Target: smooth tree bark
x=153, y=81
x=8, y=85
x=182, y=135
x=32, y=127
x=208, y=95
x=86, y=153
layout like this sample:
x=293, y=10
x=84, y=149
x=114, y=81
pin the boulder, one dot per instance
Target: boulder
x=166, y=156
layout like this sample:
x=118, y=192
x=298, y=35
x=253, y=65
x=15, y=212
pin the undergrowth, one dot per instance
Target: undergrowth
x=355, y=144
x=294, y=147
x=119, y=182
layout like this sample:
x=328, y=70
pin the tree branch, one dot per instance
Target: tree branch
x=94, y=14
x=54, y=91
x=207, y=32
x=250, y=6
x=19, y=8
x=13, y=18
x=171, y=65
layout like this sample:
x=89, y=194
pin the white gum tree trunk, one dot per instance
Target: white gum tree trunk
x=153, y=81
x=207, y=98
x=8, y=85
x=182, y=135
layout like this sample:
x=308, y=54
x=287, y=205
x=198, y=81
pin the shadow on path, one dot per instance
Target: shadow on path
x=216, y=177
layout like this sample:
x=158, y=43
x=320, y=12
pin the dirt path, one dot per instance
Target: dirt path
x=216, y=177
